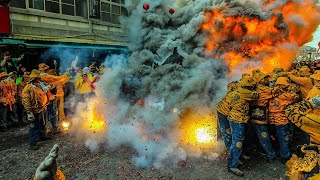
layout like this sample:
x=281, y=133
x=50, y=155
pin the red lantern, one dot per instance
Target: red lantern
x=146, y=6
x=171, y=11
x=319, y=44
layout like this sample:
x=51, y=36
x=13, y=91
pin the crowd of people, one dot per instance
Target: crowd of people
x=37, y=98
x=271, y=104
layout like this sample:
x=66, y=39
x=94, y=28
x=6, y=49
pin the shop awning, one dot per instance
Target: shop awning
x=76, y=46
x=11, y=41
x=61, y=45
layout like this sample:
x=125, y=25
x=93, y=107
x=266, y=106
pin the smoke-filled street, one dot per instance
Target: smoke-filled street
x=160, y=89
x=77, y=162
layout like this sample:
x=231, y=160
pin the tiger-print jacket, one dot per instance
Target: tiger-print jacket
x=301, y=115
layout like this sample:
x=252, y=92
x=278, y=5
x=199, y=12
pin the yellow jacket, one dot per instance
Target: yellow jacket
x=240, y=102
x=78, y=83
x=86, y=87
x=300, y=115
x=34, y=99
x=277, y=106
x=265, y=94
x=313, y=93
x=224, y=105
x=304, y=82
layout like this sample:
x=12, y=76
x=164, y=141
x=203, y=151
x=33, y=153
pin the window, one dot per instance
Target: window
x=111, y=10
x=81, y=8
x=18, y=4
x=52, y=6
x=105, y=11
x=68, y=7
x=36, y=4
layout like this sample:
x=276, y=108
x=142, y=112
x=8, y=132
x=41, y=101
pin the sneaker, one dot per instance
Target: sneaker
x=240, y=163
x=34, y=147
x=236, y=171
x=243, y=156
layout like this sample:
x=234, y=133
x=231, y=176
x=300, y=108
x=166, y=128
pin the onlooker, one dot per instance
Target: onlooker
x=9, y=64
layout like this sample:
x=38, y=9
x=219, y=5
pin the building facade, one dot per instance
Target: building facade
x=307, y=53
x=72, y=21
x=37, y=25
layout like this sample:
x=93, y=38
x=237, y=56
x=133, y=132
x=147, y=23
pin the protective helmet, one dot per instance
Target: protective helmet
x=247, y=82
x=304, y=71
x=283, y=81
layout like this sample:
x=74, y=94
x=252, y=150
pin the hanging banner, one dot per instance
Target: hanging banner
x=5, y=20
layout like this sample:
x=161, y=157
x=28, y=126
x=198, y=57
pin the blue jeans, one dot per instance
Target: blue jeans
x=283, y=135
x=264, y=139
x=225, y=130
x=37, y=132
x=52, y=115
x=238, y=135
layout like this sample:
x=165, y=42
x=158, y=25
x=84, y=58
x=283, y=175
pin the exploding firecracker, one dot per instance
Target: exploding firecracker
x=176, y=54
x=65, y=125
x=264, y=35
x=198, y=129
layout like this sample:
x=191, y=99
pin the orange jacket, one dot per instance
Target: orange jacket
x=265, y=94
x=277, y=106
x=9, y=90
x=34, y=99
x=56, y=80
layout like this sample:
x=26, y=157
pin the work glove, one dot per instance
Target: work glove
x=315, y=102
x=48, y=168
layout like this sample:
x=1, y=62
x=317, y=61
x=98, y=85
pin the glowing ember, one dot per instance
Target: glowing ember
x=65, y=125
x=198, y=130
x=92, y=117
x=97, y=125
x=203, y=135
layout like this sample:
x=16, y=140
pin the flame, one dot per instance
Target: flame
x=244, y=41
x=65, y=125
x=198, y=130
x=92, y=119
x=204, y=135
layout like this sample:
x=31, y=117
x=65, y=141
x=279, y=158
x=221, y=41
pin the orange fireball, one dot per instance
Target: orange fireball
x=265, y=41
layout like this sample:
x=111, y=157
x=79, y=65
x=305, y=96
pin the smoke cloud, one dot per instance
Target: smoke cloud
x=146, y=101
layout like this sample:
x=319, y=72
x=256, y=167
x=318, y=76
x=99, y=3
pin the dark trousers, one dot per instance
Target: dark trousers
x=264, y=139
x=238, y=135
x=283, y=135
x=225, y=130
x=52, y=115
x=13, y=115
x=3, y=116
x=38, y=130
x=22, y=117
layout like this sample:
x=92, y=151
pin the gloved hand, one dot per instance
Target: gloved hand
x=48, y=168
x=315, y=101
x=30, y=117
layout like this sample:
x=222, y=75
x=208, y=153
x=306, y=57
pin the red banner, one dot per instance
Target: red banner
x=4, y=21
